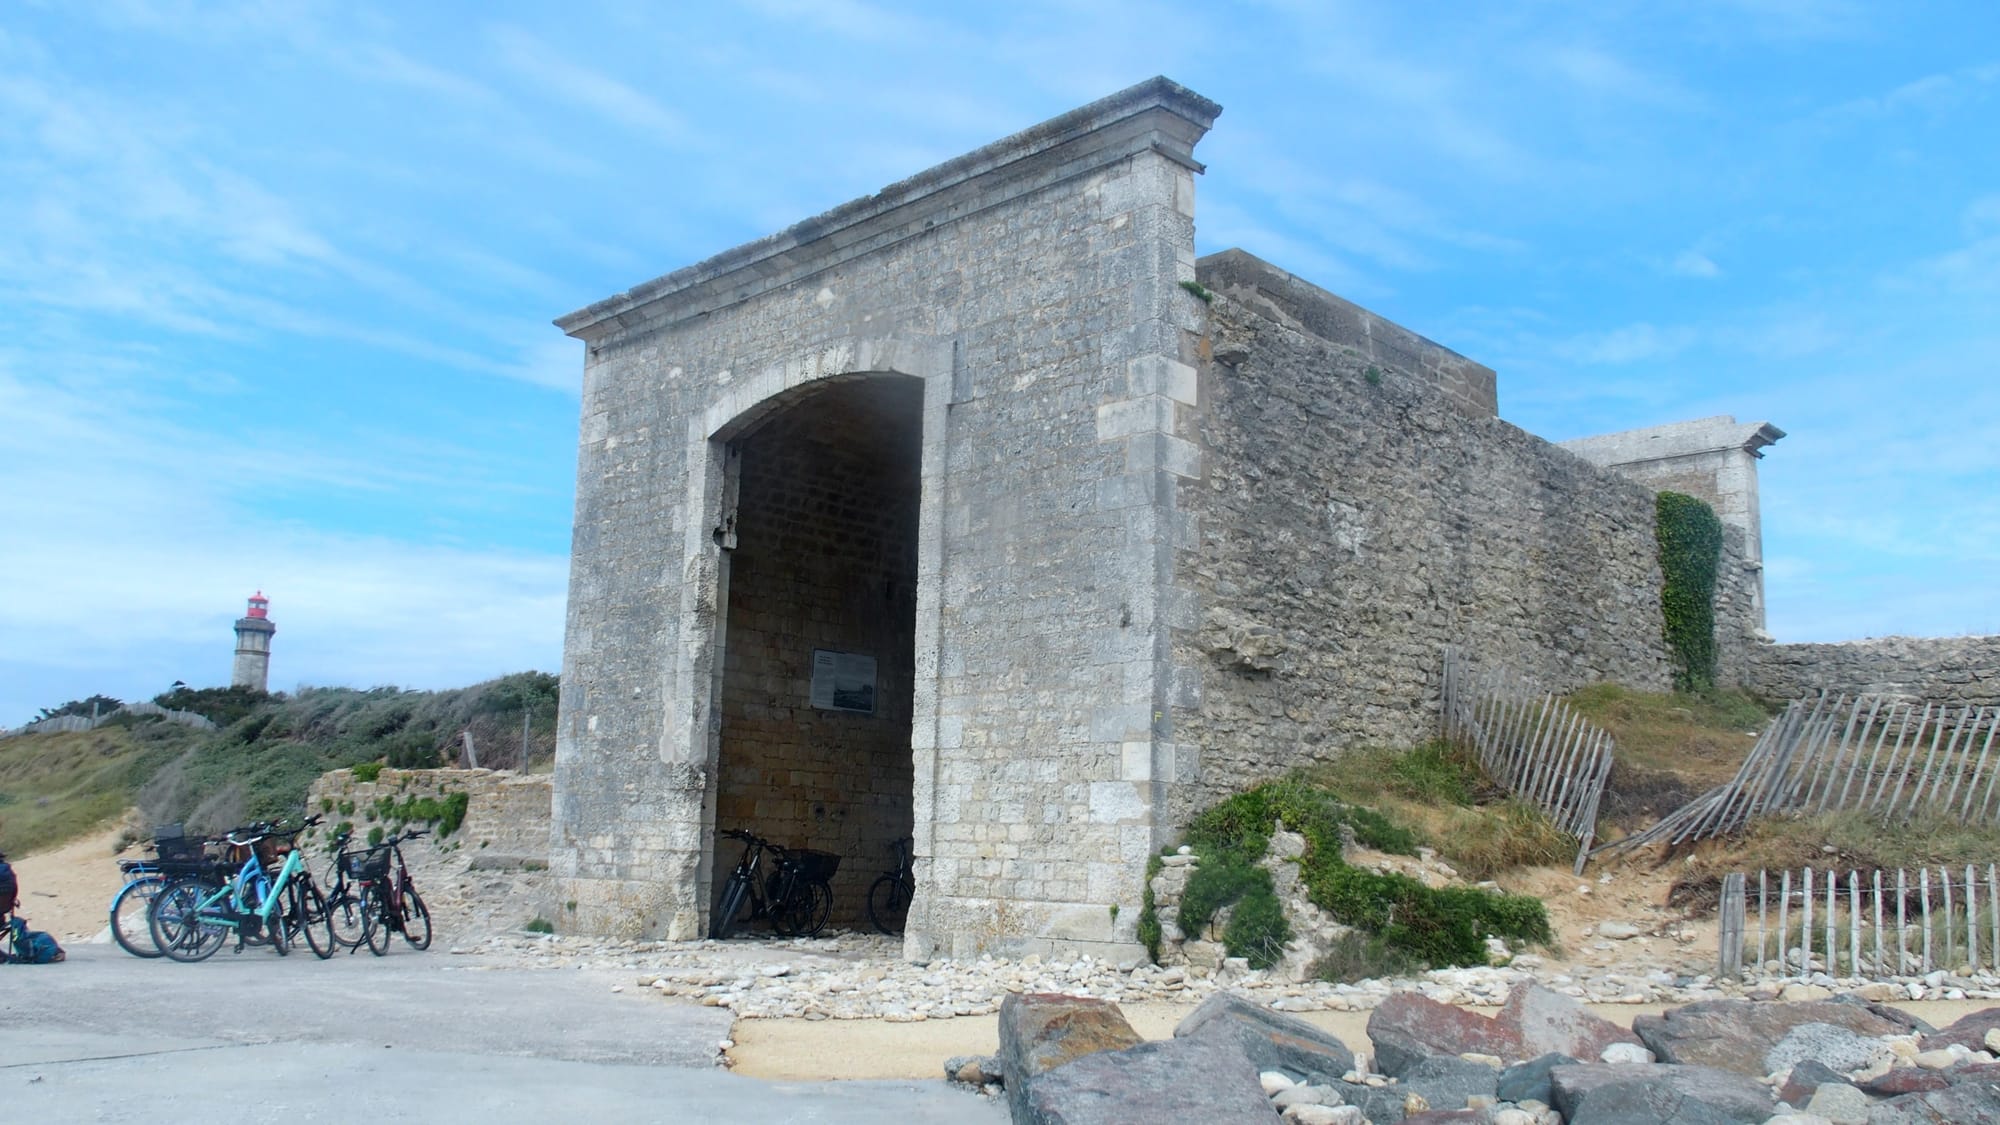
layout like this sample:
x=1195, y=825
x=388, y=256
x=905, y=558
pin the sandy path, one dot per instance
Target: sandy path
x=68, y=891
x=801, y=1049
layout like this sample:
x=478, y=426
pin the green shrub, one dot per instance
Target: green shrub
x=1149, y=912
x=1436, y=927
x=367, y=771
x=539, y=925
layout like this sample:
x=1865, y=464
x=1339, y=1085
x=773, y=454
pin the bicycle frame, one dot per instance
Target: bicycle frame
x=236, y=891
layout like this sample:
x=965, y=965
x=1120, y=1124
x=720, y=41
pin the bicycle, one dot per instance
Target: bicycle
x=889, y=895
x=795, y=899
x=347, y=923
x=391, y=903
x=175, y=855
x=192, y=917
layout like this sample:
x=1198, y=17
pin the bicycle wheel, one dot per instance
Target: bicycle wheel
x=275, y=927
x=375, y=919
x=416, y=919
x=889, y=903
x=817, y=903
x=129, y=926
x=345, y=921
x=180, y=929
x=727, y=914
x=314, y=920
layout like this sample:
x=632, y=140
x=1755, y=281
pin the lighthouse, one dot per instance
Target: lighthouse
x=253, y=645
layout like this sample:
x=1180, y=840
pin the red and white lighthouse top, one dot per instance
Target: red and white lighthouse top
x=260, y=606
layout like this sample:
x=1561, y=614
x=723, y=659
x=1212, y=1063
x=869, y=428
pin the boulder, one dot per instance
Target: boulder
x=1969, y=1032
x=1905, y=1080
x=1840, y=1103
x=1529, y=1081
x=1736, y=1035
x=1968, y=1104
x=1204, y=1078
x=1409, y=1026
x=1603, y=1094
x=1541, y=1020
x=1447, y=1082
x=1836, y=1047
x=1807, y=1076
x=1040, y=1032
x=1272, y=1040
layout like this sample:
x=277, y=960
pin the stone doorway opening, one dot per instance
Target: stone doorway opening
x=819, y=635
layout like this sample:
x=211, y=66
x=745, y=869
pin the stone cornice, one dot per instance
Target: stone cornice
x=1157, y=116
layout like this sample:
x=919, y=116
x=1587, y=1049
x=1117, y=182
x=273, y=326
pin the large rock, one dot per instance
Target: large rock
x=1205, y=1078
x=1808, y=1076
x=1447, y=1082
x=1663, y=1094
x=1529, y=1081
x=1272, y=1040
x=1542, y=1021
x=1969, y=1032
x=1968, y=1104
x=1737, y=1034
x=1535, y=1021
x=1835, y=1047
x=1409, y=1026
x=1040, y=1032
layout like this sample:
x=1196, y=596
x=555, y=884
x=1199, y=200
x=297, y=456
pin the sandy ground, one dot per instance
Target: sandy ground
x=68, y=891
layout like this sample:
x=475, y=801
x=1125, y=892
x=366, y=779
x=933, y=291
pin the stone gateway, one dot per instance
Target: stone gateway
x=979, y=511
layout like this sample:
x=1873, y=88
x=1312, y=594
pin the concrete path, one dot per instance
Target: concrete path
x=431, y=1036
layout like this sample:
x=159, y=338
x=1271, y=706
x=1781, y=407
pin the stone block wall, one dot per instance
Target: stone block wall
x=1355, y=518
x=1033, y=288
x=507, y=813
x=1935, y=669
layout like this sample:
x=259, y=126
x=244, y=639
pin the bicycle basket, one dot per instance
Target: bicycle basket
x=178, y=849
x=815, y=866
x=271, y=850
x=366, y=865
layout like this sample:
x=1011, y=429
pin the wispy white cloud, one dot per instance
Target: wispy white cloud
x=1694, y=263
x=551, y=72
x=1631, y=343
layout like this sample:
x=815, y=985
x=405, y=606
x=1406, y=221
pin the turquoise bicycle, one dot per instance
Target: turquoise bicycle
x=193, y=917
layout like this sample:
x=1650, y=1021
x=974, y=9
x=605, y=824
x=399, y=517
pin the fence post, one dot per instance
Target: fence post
x=1924, y=909
x=1729, y=937
x=1878, y=923
x=1785, y=922
x=1763, y=896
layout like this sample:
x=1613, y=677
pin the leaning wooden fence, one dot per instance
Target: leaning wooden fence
x=1888, y=756
x=1533, y=745
x=1860, y=924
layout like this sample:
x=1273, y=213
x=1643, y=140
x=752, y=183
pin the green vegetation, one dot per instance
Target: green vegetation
x=1373, y=375
x=447, y=813
x=367, y=772
x=264, y=756
x=1672, y=748
x=1439, y=790
x=1201, y=292
x=1690, y=538
x=539, y=925
x=1431, y=927
x=95, y=705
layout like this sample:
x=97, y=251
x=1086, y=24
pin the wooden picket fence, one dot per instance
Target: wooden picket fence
x=1531, y=744
x=1829, y=753
x=1872, y=924
x=71, y=724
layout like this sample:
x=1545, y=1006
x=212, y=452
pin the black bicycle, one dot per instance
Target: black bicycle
x=390, y=903
x=889, y=896
x=795, y=897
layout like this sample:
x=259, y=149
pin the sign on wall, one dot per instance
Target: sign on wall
x=843, y=681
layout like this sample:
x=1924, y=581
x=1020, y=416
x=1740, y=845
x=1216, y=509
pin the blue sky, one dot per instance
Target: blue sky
x=276, y=278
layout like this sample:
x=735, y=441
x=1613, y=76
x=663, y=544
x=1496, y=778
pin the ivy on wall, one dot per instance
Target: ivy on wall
x=1690, y=549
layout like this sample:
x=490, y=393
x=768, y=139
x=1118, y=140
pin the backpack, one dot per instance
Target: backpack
x=34, y=947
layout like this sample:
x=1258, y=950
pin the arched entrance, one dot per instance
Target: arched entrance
x=814, y=699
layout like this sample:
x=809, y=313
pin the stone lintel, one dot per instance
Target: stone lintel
x=1157, y=116
x=1719, y=434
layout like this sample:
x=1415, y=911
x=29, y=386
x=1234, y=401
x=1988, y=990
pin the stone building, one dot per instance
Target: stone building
x=252, y=666
x=978, y=510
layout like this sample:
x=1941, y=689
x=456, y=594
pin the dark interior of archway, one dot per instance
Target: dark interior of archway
x=825, y=563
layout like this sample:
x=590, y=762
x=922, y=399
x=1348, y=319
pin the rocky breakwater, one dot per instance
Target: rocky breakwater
x=1542, y=1060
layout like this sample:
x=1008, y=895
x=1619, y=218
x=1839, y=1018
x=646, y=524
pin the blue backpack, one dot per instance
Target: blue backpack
x=33, y=947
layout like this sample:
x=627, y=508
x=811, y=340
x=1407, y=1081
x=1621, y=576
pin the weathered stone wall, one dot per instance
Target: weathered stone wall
x=1033, y=286
x=507, y=813
x=1936, y=669
x=1355, y=519
x=825, y=559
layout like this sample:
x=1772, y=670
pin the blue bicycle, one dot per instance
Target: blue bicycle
x=192, y=917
